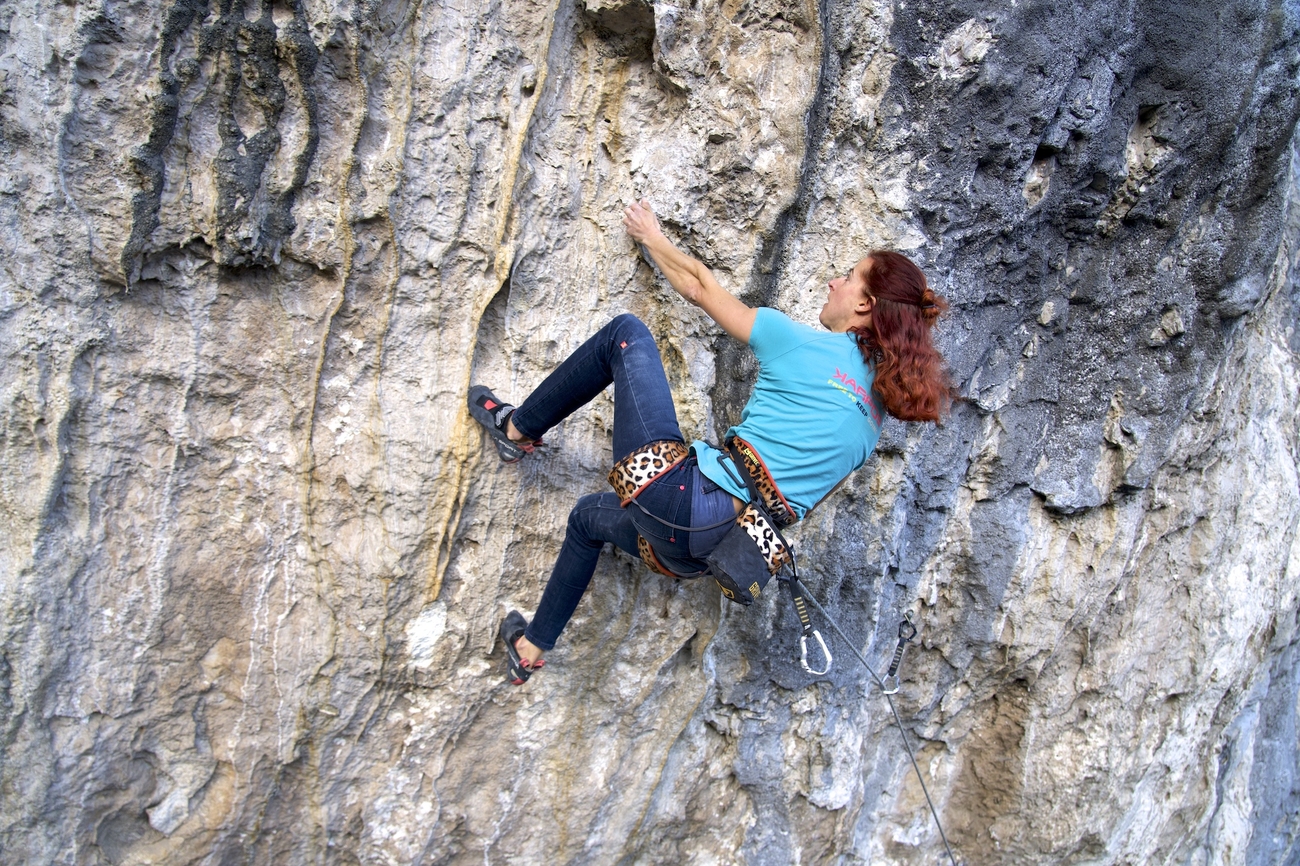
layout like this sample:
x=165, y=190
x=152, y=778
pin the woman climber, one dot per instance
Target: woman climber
x=813, y=417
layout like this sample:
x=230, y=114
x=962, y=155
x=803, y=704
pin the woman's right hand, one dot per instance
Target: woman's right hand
x=641, y=222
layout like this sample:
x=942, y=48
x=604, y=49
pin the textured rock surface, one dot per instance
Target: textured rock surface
x=255, y=553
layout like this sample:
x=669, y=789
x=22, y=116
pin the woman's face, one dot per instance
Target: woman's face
x=847, y=302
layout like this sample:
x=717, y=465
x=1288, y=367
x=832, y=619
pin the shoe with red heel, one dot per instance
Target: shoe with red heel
x=512, y=629
x=494, y=414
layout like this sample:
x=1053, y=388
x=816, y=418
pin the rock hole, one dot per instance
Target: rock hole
x=282, y=15
x=1147, y=145
x=123, y=832
x=626, y=27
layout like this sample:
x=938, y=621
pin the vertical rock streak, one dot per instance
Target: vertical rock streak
x=503, y=262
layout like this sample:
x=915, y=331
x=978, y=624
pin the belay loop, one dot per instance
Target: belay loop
x=906, y=631
x=805, y=625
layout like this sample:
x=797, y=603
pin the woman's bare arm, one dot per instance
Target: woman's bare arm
x=692, y=280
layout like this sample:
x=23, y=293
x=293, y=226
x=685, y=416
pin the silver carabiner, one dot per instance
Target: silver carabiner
x=890, y=684
x=803, y=646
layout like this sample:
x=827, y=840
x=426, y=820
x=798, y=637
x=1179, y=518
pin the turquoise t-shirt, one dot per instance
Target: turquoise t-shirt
x=812, y=417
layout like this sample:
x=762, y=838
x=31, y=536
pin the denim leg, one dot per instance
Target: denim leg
x=596, y=519
x=624, y=353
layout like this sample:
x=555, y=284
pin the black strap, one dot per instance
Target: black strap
x=739, y=462
x=722, y=461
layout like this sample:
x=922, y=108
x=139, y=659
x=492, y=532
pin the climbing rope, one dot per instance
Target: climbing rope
x=906, y=631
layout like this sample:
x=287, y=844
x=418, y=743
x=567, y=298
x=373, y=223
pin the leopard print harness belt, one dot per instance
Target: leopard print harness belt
x=634, y=473
x=761, y=521
x=768, y=493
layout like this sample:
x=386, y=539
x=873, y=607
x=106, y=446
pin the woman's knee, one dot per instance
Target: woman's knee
x=589, y=519
x=626, y=324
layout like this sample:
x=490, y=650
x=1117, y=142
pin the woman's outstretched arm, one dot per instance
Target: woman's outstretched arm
x=692, y=280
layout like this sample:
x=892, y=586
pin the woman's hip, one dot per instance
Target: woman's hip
x=683, y=515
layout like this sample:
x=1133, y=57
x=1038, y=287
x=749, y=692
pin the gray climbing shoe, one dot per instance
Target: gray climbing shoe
x=494, y=415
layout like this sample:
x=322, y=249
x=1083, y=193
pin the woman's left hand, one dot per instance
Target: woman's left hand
x=692, y=280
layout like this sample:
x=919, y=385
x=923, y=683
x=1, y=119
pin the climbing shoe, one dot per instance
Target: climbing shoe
x=512, y=629
x=494, y=415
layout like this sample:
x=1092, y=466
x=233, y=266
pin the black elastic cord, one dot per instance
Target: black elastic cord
x=731, y=519
x=796, y=583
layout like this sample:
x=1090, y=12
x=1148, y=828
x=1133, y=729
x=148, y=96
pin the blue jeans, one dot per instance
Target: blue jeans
x=624, y=353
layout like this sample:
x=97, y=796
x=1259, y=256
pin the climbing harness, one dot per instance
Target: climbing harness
x=906, y=631
x=753, y=551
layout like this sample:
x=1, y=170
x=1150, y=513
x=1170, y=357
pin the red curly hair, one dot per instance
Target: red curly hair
x=912, y=378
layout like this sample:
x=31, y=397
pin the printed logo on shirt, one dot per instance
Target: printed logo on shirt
x=849, y=385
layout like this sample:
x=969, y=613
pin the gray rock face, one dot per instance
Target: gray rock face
x=255, y=551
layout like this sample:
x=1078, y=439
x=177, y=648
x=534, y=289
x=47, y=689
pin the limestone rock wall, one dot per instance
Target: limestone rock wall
x=255, y=552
